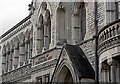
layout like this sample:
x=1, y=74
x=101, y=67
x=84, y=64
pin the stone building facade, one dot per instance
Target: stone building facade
x=55, y=43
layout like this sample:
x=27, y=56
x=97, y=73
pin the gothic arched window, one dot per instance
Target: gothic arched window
x=47, y=29
x=79, y=22
x=61, y=24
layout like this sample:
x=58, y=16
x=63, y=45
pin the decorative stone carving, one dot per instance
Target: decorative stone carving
x=109, y=37
x=44, y=66
x=15, y=75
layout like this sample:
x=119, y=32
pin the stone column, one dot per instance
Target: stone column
x=104, y=70
x=16, y=57
x=112, y=64
x=7, y=60
x=26, y=51
x=113, y=73
x=4, y=63
x=22, y=54
x=11, y=60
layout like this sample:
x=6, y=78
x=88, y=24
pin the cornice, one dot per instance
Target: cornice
x=22, y=24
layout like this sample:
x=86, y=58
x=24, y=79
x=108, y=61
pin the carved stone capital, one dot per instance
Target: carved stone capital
x=104, y=66
x=22, y=44
x=111, y=62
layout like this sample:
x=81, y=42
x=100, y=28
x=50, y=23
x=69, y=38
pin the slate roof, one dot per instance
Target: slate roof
x=80, y=61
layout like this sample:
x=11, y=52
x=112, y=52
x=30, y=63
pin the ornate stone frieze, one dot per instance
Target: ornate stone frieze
x=17, y=74
x=109, y=36
x=43, y=57
x=44, y=65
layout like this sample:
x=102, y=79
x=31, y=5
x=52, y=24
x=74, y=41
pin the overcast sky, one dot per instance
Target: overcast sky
x=12, y=12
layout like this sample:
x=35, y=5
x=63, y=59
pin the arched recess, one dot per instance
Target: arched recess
x=43, y=7
x=40, y=34
x=27, y=46
x=4, y=59
x=60, y=21
x=79, y=21
x=65, y=75
x=47, y=29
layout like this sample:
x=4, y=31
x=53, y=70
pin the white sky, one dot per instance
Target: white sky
x=12, y=12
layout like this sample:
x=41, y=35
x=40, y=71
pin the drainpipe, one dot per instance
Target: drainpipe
x=96, y=44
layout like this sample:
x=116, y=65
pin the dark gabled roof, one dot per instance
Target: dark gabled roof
x=80, y=61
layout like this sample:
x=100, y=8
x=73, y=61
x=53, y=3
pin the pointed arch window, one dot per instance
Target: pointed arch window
x=112, y=11
x=47, y=29
x=79, y=22
x=61, y=24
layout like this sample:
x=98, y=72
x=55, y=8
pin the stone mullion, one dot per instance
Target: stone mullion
x=10, y=59
x=47, y=34
x=7, y=61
